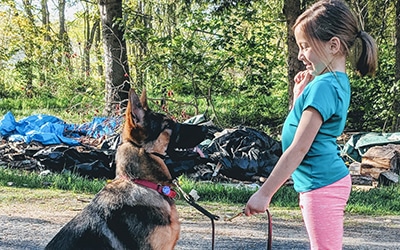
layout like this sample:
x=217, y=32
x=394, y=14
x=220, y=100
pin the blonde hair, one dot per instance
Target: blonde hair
x=333, y=18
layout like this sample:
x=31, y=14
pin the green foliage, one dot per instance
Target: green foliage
x=373, y=106
x=212, y=52
x=221, y=57
x=373, y=98
x=39, y=73
x=79, y=109
x=33, y=180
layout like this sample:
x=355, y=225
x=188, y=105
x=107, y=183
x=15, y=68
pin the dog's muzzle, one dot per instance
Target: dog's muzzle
x=187, y=135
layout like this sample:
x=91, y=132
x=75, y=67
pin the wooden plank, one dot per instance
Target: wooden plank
x=372, y=171
x=378, y=156
x=379, y=159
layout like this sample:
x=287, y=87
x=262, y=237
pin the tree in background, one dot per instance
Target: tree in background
x=62, y=33
x=396, y=90
x=233, y=59
x=115, y=56
x=292, y=10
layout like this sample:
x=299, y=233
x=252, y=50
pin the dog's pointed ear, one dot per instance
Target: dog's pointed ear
x=136, y=107
x=143, y=100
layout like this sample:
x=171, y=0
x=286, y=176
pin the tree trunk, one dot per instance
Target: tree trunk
x=398, y=40
x=99, y=55
x=291, y=11
x=45, y=19
x=28, y=62
x=63, y=35
x=61, y=16
x=396, y=118
x=28, y=9
x=89, y=42
x=115, y=57
x=143, y=17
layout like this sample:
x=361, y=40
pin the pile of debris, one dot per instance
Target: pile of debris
x=84, y=160
x=374, y=158
x=241, y=153
x=237, y=154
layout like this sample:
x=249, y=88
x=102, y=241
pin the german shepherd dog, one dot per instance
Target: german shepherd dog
x=136, y=210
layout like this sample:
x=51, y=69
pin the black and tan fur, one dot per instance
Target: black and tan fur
x=125, y=215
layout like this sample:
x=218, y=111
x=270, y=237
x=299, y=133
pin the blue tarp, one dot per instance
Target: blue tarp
x=49, y=130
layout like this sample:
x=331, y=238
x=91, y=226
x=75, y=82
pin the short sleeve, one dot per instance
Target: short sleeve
x=322, y=96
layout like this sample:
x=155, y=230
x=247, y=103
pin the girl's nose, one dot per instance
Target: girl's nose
x=300, y=56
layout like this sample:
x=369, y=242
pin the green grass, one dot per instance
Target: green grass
x=70, y=110
x=67, y=181
x=237, y=193
x=377, y=201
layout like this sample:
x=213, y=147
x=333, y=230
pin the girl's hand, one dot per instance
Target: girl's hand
x=258, y=203
x=301, y=80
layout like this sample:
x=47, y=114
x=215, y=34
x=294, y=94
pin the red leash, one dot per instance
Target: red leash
x=213, y=217
x=189, y=199
x=269, y=233
x=269, y=242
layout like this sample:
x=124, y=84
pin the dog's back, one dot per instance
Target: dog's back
x=125, y=214
x=121, y=216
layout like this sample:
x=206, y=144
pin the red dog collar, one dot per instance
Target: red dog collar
x=164, y=190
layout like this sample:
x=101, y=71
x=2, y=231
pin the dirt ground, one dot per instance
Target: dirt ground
x=30, y=218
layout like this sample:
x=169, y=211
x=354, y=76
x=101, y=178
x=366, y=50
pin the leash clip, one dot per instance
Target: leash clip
x=189, y=199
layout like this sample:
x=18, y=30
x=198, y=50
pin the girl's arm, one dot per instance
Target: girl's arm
x=308, y=128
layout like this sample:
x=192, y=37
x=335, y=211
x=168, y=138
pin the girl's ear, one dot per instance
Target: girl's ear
x=334, y=45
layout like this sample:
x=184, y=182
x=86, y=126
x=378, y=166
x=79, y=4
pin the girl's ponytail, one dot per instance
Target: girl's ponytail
x=368, y=61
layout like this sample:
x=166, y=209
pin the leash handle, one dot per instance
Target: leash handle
x=269, y=241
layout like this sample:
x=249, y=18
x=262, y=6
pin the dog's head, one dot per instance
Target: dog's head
x=157, y=132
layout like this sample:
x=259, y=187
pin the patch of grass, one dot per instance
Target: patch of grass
x=27, y=195
x=377, y=201
x=67, y=181
x=210, y=191
x=70, y=110
x=237, y=193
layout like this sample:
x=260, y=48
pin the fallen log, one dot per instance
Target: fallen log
x=380, y=159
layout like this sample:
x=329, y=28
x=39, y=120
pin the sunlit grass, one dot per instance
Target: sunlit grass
x=70, y=111
x=377, y=201
x=33, y=180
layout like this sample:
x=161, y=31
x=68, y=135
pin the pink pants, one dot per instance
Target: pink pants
x=323, y=212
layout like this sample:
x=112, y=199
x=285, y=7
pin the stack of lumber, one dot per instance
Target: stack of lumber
x=382, y=163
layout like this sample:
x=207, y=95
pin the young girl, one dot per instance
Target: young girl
x=324, y=34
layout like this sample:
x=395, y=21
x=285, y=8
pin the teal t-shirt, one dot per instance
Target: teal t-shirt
x=329, y=94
